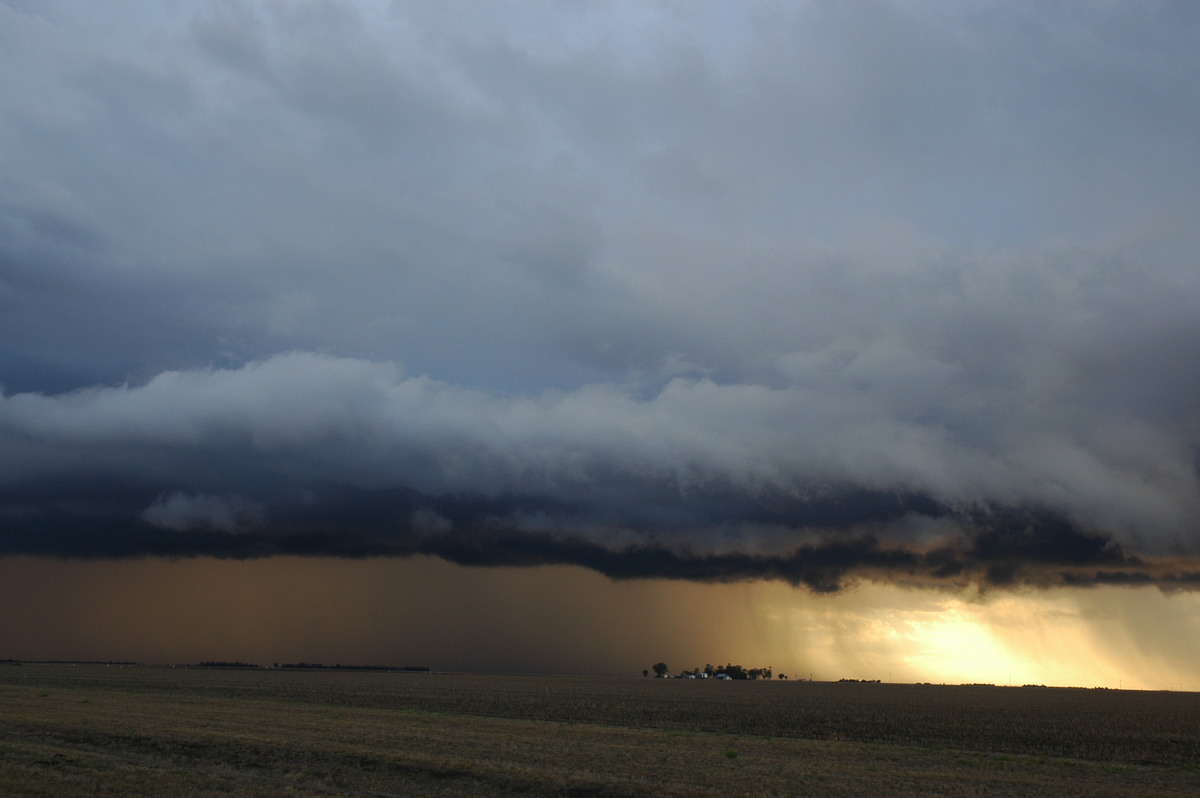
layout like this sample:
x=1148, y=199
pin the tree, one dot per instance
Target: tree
x=645, y=672
x=660, y=669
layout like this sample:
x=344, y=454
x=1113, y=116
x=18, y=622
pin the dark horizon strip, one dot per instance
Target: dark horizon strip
x=1005, y=552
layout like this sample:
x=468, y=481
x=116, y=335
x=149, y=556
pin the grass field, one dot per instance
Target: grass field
x=96, y=730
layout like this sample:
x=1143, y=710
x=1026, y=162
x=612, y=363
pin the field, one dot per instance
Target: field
x=97, y=730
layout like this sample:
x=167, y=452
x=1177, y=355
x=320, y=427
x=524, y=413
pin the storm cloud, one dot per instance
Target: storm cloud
x=808, y=293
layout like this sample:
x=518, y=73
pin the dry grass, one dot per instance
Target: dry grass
x=113, y=731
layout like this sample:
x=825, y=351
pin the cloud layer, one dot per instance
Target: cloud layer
x=799, y=292
x=315, y=454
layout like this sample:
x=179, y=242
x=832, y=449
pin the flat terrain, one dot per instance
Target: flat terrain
x=96, y=730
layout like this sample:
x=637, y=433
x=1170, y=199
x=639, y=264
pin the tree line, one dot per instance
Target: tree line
x=731, y=671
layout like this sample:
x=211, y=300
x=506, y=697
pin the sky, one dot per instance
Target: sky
x=571, y=337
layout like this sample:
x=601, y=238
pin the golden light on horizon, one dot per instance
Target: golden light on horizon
x=1107, y=637
x=562, y=619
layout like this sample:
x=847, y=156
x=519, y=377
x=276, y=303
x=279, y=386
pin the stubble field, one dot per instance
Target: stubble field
x=96, y=730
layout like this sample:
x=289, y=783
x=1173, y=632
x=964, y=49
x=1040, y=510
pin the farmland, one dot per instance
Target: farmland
x=96, y=730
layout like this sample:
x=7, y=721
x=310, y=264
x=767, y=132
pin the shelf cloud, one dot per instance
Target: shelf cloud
x=321, y=455
x=813, y=293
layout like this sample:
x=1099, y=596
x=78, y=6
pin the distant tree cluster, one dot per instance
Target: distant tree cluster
x=219, y=664
x=860, y=681
x=314, y=666
x=66, y=662
x=317, y=666
x=728, y=671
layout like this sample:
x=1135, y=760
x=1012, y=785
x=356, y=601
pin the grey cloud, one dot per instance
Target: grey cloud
x=666, y=264
x=181, y=511
x=303, y=418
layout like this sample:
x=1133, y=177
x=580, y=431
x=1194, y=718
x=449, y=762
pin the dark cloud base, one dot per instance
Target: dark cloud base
x=848, y=536
x=713, y=296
